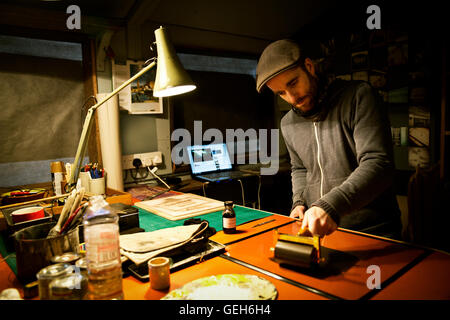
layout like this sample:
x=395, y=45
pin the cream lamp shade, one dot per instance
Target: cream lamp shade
x=171, y=78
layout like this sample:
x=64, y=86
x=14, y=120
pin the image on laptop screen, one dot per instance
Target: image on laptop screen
x=208, y=158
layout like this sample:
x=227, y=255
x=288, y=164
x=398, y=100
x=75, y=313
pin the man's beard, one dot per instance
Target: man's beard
x=313, y=94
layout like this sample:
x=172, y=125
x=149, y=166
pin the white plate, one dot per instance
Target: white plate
x=225, y=287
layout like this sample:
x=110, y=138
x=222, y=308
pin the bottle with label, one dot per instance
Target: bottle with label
x=229, y=218
x=58, y=179
x=101, y=235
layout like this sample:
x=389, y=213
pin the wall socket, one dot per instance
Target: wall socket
x=148, y=159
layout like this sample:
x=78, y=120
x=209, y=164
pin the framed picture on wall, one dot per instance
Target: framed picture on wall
x=138, y=97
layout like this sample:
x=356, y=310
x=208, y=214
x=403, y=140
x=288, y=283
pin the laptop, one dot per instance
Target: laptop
x=212, y=163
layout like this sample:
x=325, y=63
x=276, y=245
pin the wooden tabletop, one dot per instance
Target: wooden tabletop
x=406, y=271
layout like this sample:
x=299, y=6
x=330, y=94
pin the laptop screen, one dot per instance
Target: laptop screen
x=209, y=158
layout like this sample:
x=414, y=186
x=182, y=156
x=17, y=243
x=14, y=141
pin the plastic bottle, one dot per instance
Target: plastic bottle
x=101, y=235
x=229, y=218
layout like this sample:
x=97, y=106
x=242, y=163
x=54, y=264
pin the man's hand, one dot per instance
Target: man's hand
x=318, y=222
x=298, y=212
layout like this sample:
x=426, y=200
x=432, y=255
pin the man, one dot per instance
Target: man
x=339, y=142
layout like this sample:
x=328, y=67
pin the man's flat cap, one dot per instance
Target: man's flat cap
x=277, y=57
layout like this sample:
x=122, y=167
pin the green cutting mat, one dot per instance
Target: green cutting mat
x=151, y=222
x=11, y=259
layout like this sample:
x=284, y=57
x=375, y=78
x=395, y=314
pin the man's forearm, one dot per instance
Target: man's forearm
x=366, y=183
x=298, y=186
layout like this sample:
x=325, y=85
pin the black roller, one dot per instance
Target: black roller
x=296, y=254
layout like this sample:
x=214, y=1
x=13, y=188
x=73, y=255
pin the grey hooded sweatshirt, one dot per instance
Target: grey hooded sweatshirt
x=342, y=161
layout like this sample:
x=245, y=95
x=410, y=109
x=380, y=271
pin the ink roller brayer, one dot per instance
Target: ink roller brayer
x=296, y=250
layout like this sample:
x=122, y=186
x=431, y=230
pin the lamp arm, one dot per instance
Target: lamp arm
x=74, y=173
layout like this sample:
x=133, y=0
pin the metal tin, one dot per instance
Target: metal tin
x=47, y=274
x=68, y=257
x=68, y=287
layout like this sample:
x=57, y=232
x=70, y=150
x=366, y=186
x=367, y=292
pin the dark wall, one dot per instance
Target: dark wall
x=223, y=101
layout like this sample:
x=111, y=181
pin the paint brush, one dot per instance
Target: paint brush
x=63, y=216
x=78, y=217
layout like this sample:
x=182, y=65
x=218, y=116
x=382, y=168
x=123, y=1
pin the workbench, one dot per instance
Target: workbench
x=406, y=271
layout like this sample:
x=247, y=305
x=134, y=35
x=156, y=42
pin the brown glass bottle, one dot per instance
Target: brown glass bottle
x=229, y=218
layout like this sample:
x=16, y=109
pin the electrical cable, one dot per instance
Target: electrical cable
x=133, y=176
x=85, y=102
x=157, y=177
x=84, y=105
x=203, y=187
x=242, y=191
x=146, y=63
x=259, y=193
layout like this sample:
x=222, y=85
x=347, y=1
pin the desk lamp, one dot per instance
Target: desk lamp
x=171, y=79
